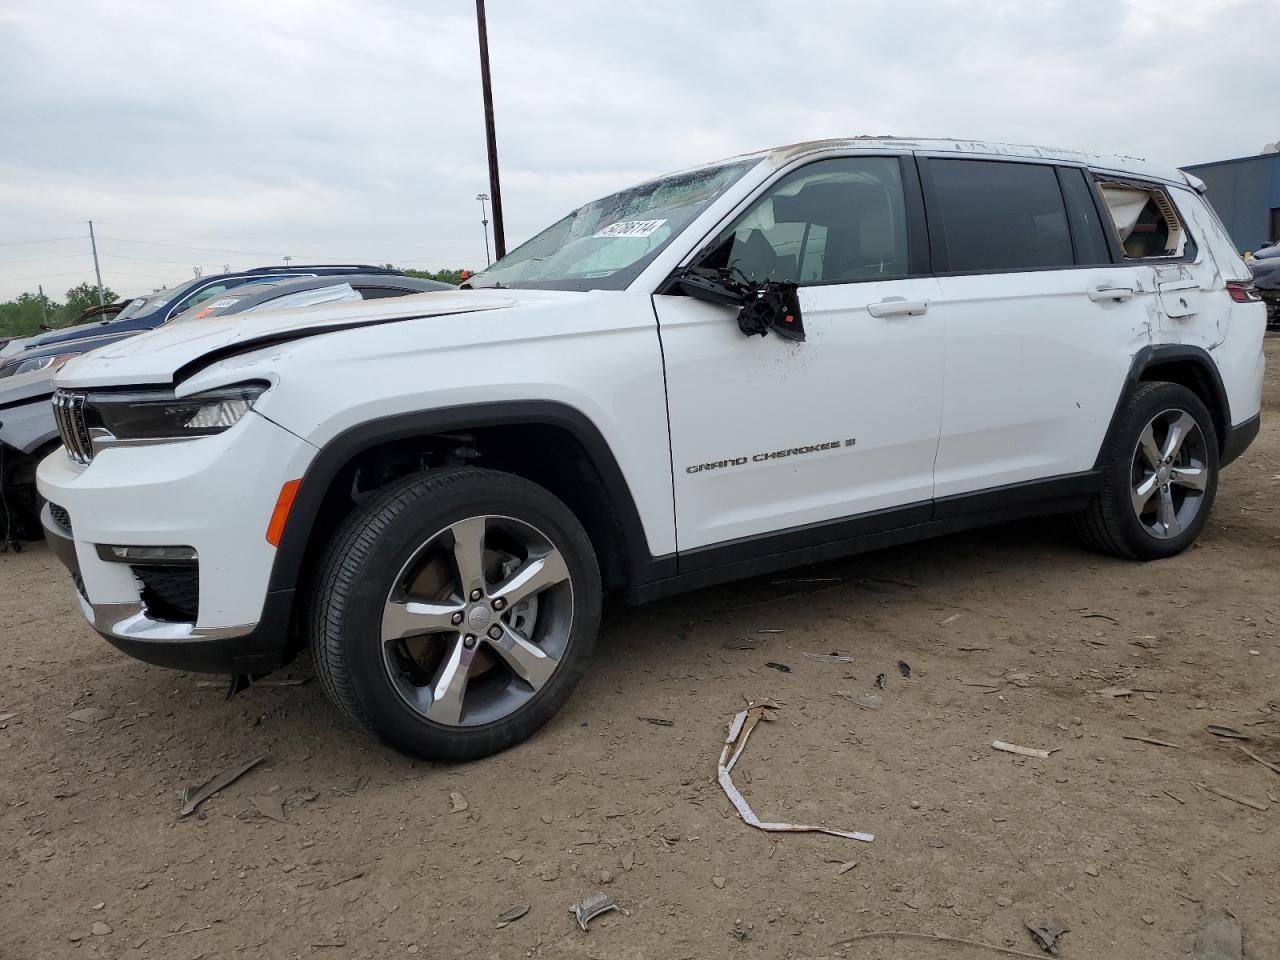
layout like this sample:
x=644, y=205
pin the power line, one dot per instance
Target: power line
x=182, y=246
x=45, y=276
x=65, y=256
x=19, y=243
x=258, y=253
x=121, y=256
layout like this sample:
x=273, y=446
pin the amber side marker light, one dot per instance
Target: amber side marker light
x=284, y=503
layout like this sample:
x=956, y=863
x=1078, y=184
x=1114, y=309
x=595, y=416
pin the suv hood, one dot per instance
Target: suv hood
x=158, y=356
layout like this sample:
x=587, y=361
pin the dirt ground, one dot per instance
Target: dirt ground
x=1010, y=634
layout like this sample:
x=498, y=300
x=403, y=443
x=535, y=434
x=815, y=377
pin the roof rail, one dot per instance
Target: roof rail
x=300, y=267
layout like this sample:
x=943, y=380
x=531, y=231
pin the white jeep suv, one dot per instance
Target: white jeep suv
x=435, y=493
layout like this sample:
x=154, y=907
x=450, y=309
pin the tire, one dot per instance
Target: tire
x=1112, y=522
x=391, y=622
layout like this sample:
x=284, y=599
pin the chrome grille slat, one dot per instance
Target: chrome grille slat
x=68, y=414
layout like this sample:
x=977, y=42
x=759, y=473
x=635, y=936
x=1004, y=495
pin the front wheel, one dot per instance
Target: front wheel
x=1161, y=476
x=455, y=612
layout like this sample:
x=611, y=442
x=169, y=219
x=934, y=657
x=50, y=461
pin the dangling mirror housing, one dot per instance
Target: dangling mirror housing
x=762, y=307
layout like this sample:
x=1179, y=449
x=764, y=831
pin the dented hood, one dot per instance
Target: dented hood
x=156, y=356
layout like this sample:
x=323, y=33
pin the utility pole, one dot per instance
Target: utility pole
x=286, y=261
x=44, y=314
x=484, y=223
x=491, y=137
x=96, y=270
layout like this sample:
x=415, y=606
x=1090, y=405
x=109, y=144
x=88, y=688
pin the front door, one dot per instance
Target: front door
x=770, y=436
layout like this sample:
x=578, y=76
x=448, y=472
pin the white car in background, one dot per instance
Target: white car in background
x=777, y=359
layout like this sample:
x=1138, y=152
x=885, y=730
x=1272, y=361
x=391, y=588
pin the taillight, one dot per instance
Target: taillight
x=1242, y=291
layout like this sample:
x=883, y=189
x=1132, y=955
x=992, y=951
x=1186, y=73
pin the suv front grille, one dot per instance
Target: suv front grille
x=68, y=412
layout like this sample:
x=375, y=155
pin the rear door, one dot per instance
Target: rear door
x=772, y=440
x=1040, y=323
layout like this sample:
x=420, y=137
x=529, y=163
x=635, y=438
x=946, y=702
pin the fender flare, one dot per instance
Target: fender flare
x=343, y=448
x=1162, y=353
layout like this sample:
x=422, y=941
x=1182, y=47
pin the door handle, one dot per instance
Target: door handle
x=1106, y=294
x=898, y=307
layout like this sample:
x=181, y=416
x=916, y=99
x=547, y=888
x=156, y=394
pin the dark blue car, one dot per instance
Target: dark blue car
x=150, y=312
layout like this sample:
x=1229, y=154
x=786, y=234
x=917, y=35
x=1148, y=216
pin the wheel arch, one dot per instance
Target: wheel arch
x=1184, y=364
x=574, y=462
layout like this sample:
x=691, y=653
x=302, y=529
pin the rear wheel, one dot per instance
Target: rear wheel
x=1161, y=478
x=455, y=612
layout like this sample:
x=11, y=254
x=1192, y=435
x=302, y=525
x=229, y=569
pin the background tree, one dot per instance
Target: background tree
x=444, y=276
x=22, y=317
x=84, y=296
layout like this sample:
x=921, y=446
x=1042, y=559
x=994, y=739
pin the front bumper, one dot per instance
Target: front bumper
x=214, y=494
x=181, y=646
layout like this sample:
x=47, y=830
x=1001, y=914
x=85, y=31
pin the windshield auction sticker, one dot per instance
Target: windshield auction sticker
x=630, y=228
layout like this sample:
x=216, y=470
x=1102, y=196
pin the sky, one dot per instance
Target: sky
x=238, y=132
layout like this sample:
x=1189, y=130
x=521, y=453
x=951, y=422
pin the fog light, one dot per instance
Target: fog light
x=158, y=555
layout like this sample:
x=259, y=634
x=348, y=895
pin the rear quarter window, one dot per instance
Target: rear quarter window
x=1145, y=221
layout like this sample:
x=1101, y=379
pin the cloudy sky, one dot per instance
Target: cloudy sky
x=240, y=131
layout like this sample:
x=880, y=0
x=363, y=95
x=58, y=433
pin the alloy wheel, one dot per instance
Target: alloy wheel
x=1170, y=473
x=477, y=621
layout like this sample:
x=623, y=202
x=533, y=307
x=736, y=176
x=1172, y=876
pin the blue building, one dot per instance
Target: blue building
x=1246, y=194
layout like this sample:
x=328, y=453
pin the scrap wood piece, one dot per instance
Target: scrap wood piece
x=327, y=884
x=1273, y=767
x=1153, y=741
x=1243, y=801
x=1023, y=751
x=932, y=937
x=829, y=658
x=509, y=917
x=1227, y=733
x=739, y=730
x=193, y=796
x=183, y=930
x=1114, y=693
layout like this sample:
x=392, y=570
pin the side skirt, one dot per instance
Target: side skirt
x=815, y=543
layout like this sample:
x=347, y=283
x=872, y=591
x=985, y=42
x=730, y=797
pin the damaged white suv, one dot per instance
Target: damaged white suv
x=433, y=494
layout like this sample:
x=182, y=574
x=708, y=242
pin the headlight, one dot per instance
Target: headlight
x=18, y=365
x=143, y=416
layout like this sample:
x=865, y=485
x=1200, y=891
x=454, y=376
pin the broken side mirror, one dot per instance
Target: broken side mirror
x=762, y=307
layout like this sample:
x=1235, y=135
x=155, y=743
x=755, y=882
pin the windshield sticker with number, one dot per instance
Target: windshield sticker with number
x=630, y=228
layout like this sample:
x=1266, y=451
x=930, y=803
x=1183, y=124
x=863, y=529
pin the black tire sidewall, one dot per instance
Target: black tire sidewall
x=1153, y=400
x=406, y=518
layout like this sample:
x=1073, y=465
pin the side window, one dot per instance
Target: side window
x=210, y=291
x=996, y=215
x=1086, y=226
x=1145, y=221
x=834, y=221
